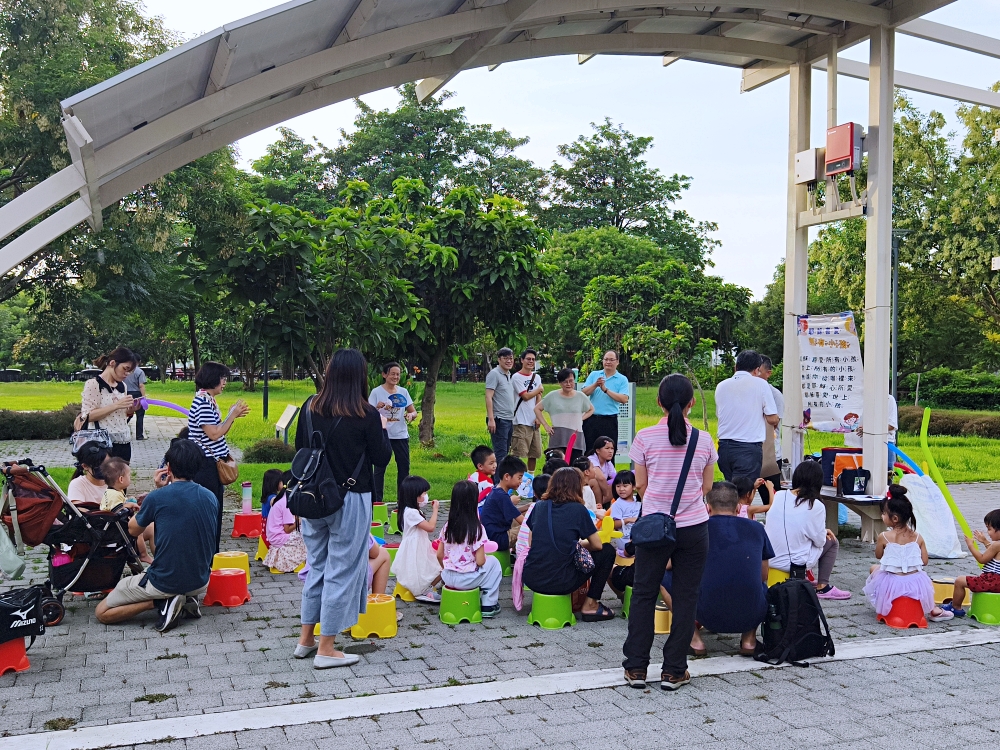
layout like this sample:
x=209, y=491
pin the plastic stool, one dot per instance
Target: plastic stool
x=460, y=606
x=246, y=524
x=275, y=571
x=776, y=576
x=227, y=587
x=261, y=549
x=626, y=601
x=662, y=619
x=624, y=562
x=944, y=589
x=403, y=594
x=13, y=657
x=380, y=512
x=905, y=613
x=551, y=612
x=503, y=557
x=237, y=560
x=377, y=529
x=392, y=549
x=985, y=608
x=379, y=620
x=394, y=522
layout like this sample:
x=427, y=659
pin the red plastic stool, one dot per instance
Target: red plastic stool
x=13, y=657
x=905, y=613
x=227, y=587
x=246, y=524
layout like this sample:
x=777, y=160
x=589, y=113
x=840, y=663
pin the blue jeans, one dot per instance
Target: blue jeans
x=501, y=439
x=336, y=587
x=487, y=579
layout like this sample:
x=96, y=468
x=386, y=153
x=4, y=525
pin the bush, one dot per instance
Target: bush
x=953, y=389
x=269, y=451
x=955, y=423
x=38, y=425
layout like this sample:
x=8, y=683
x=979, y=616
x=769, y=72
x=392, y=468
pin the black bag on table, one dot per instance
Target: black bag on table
x=21, y=614
x=795, y=628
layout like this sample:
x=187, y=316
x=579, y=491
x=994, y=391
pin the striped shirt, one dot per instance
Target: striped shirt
x=651, y=448
x=204, y=411
x=992, y=566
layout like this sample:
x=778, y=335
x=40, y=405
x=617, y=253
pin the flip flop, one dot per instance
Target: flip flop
x=602, y=614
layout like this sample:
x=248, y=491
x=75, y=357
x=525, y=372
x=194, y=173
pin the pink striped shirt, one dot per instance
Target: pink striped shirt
x=663, y=461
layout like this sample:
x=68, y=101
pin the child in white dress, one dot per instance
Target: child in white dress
x=416, y=566
x=903, y=555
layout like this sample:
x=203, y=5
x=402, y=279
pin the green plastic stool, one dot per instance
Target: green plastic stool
x=503, y=556
x=985, y=608
x=626, y=601
x=392, y=549
x=380, y=513
x=551, y=612
x=393, y=522
x=460, y=606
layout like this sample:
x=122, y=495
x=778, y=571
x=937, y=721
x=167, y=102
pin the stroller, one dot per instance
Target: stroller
x=88, y=548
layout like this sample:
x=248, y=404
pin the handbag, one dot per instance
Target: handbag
x=853, y=481
x=659, y=530
x=82, y=434
x=582, y=559
x=314, y=491
x=21, y=614
x=229, y=470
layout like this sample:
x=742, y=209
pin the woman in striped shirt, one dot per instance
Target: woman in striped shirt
x=658, y=453
x=208, y=430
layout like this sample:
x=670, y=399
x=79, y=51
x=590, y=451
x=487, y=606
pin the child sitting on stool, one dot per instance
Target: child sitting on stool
x=460, y=552
x=287, y=550
x=988, y=582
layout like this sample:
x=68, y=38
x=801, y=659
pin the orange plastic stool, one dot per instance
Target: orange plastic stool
x=227, y=587
x=13, y=657
x=905, y=613
x=246, y=524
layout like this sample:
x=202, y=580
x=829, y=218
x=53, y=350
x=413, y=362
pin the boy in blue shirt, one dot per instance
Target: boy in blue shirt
x=498, y=514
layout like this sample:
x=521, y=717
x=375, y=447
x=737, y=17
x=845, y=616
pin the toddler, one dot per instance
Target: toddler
x=287, y=551
x=485, y=461
x=118, y=476
x=626, y=509
x=538, y=487
x=416, y=566
x=461, y=553
x=903, y=555
x=747, y=488
x=987, y=582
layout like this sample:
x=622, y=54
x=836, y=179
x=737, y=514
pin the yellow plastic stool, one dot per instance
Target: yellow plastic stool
x=776, y=576
x=944, y=588
x=237, y=560
x=624, y=562
x=261, y=549
x=275, y=571
x=403, y=594
x=662, y=619
x=379, y=620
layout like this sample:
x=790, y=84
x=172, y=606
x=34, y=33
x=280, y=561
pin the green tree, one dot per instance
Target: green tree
x=607, y=182
x=296, y=173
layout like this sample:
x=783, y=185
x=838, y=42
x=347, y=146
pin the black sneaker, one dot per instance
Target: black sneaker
x=170, y=610
x=491, y=611
x=190, y=610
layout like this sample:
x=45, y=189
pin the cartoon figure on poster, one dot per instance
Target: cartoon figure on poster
x=831, y=372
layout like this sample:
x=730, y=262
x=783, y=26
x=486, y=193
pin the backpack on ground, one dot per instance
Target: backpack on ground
x=795, y=627
x=21, y=614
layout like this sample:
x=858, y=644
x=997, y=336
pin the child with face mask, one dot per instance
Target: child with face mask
x=416, y=566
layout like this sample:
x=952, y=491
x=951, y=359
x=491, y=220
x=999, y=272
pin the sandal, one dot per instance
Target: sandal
x=603, y=613
x=697, y=652
x=744, y=651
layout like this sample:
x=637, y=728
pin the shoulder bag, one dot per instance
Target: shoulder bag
x=582, y=559
x=84, y=433
x=314, y=491
x=659, y=530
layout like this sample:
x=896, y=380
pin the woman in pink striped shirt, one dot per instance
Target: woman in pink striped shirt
x=658, y=453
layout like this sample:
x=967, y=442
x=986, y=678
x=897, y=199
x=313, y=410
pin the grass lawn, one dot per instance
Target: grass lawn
x=460, y=426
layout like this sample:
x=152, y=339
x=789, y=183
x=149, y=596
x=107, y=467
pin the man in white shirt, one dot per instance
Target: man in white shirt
x=744, y=406
x=771, y=468
x=526, y=442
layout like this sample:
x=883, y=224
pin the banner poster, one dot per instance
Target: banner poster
x=832, y=373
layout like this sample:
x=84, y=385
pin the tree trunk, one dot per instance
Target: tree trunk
x=194, y=342
x=454, y=372
x=430, y=395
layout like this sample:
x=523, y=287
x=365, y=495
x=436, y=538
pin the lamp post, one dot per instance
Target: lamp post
x=265, y=381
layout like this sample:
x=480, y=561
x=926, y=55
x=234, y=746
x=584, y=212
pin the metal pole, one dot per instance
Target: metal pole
x=265, y=381
x=895, y=312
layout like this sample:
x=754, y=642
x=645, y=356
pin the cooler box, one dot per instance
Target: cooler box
x=829, y=456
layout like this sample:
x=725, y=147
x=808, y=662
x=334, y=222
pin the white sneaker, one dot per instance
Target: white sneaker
x=945, y=615
x=431, y=597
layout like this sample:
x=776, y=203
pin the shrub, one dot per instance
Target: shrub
x=954, y=389
x=269, y=451
x=38, y=425
x=955, y=423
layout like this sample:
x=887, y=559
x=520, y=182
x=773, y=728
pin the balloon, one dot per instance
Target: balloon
x=145, y=402
x=490, y=546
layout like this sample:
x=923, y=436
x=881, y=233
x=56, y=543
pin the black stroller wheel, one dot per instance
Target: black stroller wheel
x=53, y=612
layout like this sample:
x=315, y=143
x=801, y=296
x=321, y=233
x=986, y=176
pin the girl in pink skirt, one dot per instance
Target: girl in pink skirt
x=903, y=555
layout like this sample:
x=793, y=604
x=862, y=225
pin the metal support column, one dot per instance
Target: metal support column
x=796, y=261
x=878, y=260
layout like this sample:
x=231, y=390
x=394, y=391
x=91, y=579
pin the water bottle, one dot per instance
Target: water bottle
x=248, y=497
x=773, y=621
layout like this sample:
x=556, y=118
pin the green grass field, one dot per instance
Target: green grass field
x=460, y=426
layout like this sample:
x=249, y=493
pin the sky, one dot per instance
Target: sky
x=732, y=145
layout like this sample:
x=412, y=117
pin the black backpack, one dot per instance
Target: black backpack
x=314, y=492
x=21, y=614
x=795, y=627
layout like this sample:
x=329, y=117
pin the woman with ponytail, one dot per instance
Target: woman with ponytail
x=658, y=453
x=106, y=401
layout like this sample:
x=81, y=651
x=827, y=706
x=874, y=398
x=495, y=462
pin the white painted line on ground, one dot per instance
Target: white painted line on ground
x=200, y=725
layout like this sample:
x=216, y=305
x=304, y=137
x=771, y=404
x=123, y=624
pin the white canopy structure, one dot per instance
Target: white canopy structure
x=306, y=54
